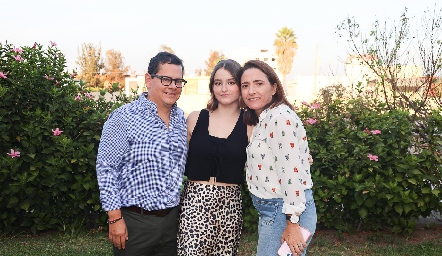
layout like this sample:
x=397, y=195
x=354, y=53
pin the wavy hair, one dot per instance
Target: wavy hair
x=233, y=68
x=250, y=116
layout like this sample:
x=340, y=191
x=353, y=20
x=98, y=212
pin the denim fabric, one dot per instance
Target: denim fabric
x=272, y=222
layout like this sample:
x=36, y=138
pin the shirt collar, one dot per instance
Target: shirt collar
x=263, y=114
x=145, y=103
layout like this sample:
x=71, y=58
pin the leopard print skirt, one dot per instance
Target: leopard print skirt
x=210, y=220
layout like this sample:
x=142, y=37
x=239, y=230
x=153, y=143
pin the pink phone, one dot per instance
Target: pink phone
x=284, y=250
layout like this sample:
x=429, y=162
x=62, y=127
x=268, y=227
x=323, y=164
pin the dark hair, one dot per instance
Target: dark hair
x=163, y=58
x=250, y=116
x=233, y=68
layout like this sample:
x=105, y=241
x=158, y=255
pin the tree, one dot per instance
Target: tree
x=198, y=72
x=286, y=46
x=390, y=52
x=214, y=58
x=90, y=63
x=165, y=48
x=114, y=67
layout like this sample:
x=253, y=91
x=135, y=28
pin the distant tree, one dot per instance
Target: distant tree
x=114, y=68
x=198, y=72
x=90, y=63
x=165, y=48
x=285, y=47
x=214, y=58
x=390, y=50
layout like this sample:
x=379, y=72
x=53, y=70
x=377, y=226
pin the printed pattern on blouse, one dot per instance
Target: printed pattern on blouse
x=140, y=162
x=277, y=159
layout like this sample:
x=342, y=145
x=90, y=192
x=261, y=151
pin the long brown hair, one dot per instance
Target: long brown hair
x=233, y=68
x=250, y=116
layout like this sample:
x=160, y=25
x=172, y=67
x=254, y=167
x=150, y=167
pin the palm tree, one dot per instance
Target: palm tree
x=286, y=45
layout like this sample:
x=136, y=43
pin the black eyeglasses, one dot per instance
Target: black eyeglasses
x=166, y=81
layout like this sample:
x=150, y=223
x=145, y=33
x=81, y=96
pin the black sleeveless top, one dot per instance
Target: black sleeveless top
x=223, y=158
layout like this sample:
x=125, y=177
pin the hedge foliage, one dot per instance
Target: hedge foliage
x=369, y=170
x=55, y=125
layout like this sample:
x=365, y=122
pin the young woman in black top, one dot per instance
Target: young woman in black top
x=211, y=210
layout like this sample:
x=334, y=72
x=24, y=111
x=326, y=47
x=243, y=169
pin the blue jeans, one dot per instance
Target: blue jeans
x=272, y=222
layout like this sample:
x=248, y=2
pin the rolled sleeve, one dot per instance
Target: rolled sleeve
x=113, y=145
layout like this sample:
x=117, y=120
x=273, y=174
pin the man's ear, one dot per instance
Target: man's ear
x=147, y=79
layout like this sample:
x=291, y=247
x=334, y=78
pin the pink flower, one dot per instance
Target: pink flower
x=48, y=77
x=14, y=153
x=52, y=43
x=305, y=103
x=35, y=45
x=372, y=157
x=17, y=50
x=3, y=75
x=77, y=97
x=367, y=131
x=375, y=132
x=74, y=75
x=315, y=106
x=18, y=58
x=88, y=95
x=56, y=132
x=311, y=121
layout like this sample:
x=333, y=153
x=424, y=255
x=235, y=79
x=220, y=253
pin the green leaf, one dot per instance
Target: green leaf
x=398, y=208
x=25, y=205
x=426, y=190
x=412, y=181
x=363, y=212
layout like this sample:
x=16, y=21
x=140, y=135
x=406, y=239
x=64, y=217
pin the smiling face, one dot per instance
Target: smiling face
x=164, y=96
x=256, y=90
x=225, y=89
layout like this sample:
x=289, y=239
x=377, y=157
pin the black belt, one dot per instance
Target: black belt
x=139, y=210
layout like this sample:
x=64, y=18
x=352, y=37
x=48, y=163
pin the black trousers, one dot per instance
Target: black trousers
x=150, y=235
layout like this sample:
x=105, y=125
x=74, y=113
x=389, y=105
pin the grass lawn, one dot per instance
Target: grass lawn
x=424, y=241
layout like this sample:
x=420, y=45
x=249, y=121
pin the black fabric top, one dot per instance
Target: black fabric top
x=223, y=158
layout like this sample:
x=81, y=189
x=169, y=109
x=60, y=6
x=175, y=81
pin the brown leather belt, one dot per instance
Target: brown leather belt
x=139, y=210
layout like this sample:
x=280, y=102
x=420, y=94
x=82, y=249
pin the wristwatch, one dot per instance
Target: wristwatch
x=292, y=218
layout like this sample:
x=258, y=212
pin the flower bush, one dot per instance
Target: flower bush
x=369, y=170
x=50, y=127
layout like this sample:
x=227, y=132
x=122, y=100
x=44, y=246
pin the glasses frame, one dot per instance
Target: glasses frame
x=171, y=80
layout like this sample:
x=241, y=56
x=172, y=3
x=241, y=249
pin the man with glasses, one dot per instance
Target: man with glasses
x=140, y=164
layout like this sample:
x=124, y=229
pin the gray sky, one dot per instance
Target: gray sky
x=194, y=27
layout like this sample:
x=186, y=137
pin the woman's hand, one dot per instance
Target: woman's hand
x=293, y=236
x=310, y=159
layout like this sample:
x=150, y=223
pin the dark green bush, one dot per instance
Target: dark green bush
x=389, y=190
x=52, y=185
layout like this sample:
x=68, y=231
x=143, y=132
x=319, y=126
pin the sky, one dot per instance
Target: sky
x=192, y=28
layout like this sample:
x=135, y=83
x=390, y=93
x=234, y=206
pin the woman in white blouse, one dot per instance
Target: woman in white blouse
x=278, y=169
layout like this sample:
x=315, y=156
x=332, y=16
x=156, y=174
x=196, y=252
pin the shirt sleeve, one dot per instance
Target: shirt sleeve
x=113, y=145
x=284, y=136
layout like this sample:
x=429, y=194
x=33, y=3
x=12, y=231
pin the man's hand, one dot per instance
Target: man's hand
x=117, y=231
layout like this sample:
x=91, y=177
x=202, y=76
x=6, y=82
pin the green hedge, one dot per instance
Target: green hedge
x=52, y=184
x=370, y=172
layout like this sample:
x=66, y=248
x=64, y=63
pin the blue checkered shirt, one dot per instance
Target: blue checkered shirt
x=140, y=162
